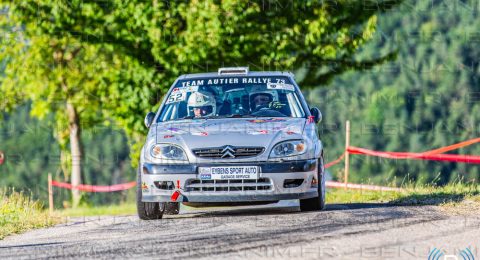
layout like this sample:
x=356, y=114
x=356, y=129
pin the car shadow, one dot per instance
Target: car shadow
x=274, y=209
x=291, y=207
x=353, y=206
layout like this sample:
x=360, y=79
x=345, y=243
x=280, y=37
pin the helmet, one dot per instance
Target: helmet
x=203, y=100
x=264, y=97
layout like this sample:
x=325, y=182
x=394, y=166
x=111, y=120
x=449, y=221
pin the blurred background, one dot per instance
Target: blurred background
x=405, y=73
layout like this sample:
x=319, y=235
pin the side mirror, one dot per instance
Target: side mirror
x=317, y=115
x=149, y=119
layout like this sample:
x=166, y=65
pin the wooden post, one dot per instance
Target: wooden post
x=50, y=193
x=347, y=157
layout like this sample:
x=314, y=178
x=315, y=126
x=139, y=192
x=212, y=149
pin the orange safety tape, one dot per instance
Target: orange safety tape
x=418, y=156
x=453, y=146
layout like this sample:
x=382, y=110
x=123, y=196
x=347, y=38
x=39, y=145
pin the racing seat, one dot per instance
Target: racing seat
x=225, y=108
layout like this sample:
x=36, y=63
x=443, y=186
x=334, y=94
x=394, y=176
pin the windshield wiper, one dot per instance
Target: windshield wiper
x=187, y=117
x=215, y=117
x=237, y=116
x=207, y=117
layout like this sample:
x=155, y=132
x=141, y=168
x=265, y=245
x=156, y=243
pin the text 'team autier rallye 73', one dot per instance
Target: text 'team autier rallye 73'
x=234, y=137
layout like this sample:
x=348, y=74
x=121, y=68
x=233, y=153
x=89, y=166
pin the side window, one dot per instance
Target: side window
x=294, y=105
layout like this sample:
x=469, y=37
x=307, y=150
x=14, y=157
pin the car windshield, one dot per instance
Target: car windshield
x=222, y=97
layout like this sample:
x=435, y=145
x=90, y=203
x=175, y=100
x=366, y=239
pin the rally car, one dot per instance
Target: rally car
x=233, y=137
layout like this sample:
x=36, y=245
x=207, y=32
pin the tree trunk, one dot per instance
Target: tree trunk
x=76, y=151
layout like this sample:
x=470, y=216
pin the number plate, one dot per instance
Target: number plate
x=228, y=173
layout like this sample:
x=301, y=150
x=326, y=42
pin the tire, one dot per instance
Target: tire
x=316, y=203
x=172, y=208
x=147, y=210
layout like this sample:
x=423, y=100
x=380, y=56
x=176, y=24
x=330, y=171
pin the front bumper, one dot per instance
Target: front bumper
x=277, y=181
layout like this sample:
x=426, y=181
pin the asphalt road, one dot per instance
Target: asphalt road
x=343, y=231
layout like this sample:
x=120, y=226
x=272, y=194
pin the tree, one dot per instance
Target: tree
x=427, y=98
x=58, y=76
x=127, y=53
x=167, y=38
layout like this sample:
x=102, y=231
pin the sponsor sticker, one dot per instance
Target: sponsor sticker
x=228, y=172
x=283, y=86
x=176, y=97
x=144, y=187
x=200, y=133
x=205, y=176
x=189, y=89
x=173, y=129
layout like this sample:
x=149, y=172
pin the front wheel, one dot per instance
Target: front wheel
x=171, y=208
x=147, y=210
x=316, y=203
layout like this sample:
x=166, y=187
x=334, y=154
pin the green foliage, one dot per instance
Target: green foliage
x=51, y=72
x=134, y=49
x=32, y=152
x=426, y=99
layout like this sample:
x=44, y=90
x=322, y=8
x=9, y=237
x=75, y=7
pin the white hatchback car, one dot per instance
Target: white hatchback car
x=231, y=138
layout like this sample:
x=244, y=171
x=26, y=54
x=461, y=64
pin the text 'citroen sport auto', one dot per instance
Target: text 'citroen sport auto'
x=231, y=138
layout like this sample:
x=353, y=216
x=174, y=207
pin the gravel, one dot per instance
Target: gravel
x=343, y=231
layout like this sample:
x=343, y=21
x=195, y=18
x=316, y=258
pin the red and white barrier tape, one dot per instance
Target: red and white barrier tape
x=453, y=146
x=417, y=156
x=435, y=155
x=2, y=157
x=95, y=188
x=332, y=163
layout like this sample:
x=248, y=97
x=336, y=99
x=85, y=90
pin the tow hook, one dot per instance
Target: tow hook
x=176, y=193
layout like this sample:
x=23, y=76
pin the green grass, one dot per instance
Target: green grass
x=434, y=195
x=450, y=196
x=120, y=209
x=19, y=213
x=359, y=196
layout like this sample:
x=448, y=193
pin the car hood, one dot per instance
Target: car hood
x=230, y=131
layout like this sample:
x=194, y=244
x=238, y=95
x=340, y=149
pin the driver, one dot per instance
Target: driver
x=202, y=104
x=261, y=100
x=264, y=100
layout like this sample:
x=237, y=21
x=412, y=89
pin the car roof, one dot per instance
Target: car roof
x=249, y=74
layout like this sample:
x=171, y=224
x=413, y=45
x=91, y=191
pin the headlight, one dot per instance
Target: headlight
x=168, y=151
x=288, y=148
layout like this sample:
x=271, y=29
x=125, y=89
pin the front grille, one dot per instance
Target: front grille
x=232, y=152
x=228, y=185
